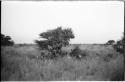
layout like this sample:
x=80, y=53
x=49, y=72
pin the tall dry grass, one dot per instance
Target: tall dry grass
x=22, y=64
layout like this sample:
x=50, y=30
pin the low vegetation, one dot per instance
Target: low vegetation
x=54, y=59
x=98, y=63
x=78, y=53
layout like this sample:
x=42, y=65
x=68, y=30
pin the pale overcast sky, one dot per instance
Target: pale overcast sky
x=91, y=21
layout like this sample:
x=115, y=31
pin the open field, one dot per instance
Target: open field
x=22, y=63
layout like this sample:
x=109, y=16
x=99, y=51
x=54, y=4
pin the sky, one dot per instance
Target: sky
x=91, y=21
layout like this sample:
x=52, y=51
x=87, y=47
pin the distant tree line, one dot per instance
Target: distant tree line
x=6, y=40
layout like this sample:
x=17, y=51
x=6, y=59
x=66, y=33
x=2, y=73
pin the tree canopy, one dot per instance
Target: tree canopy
x=119, y=46
x=6, y=40
x=110, y=42
x=55, y=39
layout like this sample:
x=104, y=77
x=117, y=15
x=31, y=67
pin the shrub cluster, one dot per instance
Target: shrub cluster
x=119, y=46
x=6, y=40
x=55, y=40
x=110, y=42
x=78, y=53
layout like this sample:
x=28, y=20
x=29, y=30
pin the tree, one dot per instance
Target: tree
x=6, y=40
x=119, y=46
x=55, y=40
x=110, y=42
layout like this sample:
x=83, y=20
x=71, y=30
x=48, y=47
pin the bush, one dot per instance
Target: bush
x=78, y=53
x=6, y=40
x=119, y=45
x=46, y=54
x=110, y=42
x=108, y=57
x=55, y=40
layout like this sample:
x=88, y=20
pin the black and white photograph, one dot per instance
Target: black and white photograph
x=65, y=40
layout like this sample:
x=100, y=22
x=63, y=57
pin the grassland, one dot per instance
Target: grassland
x=22, y=63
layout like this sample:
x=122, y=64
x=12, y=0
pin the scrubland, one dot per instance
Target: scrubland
x=23, y=63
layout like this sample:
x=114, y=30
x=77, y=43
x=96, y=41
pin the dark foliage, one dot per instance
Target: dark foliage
x=110, y=42
x=78, y=53
x=118, y=75
x=108, y=57
x=55, y=40
x=119, y=46
x=6, y=40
